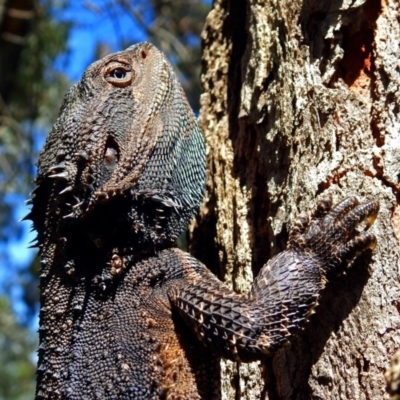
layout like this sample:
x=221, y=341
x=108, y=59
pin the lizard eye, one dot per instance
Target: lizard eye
x=119, y=74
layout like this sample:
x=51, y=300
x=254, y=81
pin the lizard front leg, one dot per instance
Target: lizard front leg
x=284, y=294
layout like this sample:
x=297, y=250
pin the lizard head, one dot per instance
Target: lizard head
x=125, y=153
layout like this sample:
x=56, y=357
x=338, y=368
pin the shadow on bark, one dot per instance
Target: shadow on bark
x=288, y=372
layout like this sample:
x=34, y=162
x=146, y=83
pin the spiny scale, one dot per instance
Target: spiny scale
x=63, y=175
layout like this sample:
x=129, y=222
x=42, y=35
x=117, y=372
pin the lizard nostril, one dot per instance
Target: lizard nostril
x=111, y=154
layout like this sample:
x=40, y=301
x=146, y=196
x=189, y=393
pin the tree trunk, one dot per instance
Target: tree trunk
x=302, y=99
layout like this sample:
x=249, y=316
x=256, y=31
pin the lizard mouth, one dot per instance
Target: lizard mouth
x=76, y=186
x=80, y=201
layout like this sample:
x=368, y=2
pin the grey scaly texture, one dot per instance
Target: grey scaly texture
x=124, y=313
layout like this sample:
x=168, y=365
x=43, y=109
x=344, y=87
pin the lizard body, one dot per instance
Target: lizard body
x=124, y=313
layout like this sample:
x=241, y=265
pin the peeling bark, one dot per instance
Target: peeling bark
x=302, y=99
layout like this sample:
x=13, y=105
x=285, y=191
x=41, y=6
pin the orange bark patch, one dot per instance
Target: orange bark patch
x=355, y=67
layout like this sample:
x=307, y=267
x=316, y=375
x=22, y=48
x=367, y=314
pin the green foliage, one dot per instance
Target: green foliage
x=37, y=85
x=17, y=366
x=29, y=101
x=35, y=94
x=27, y=104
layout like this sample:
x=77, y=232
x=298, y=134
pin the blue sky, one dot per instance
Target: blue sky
x=89, y=28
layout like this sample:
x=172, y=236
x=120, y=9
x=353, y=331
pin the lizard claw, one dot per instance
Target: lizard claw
x=366, y=240
x=341, y=209
x=302, y=222
x=344, y=218
x=323, y=207
x=333, y=237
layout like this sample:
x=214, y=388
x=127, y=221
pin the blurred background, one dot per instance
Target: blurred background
x=45, y=45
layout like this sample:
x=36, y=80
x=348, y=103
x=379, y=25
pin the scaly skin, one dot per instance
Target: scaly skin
x=124, y=313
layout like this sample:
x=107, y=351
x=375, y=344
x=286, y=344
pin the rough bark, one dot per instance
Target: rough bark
x=392, y=376
x=302, y=99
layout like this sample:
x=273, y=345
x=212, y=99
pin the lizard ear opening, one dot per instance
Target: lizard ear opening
x=111, y=154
